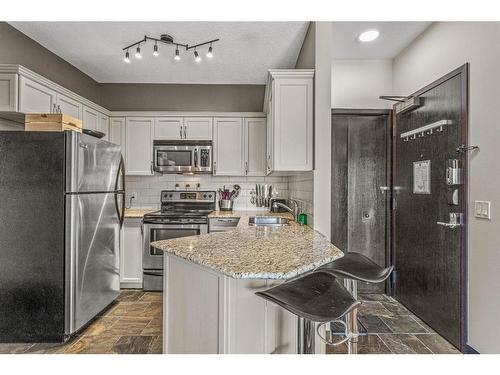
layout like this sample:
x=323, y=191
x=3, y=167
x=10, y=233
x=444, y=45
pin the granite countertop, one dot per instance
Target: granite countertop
x=138, y=212
x=249, y=252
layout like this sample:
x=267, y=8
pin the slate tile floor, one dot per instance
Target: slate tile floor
x=392, y=329
x=133, y=325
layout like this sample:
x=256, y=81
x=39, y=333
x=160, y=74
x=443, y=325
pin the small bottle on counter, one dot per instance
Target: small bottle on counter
x=303, y=219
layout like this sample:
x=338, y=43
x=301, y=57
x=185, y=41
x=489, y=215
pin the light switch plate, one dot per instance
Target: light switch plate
x=482, y=209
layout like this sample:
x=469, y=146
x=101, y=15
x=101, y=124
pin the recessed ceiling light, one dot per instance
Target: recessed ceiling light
x=368, y=35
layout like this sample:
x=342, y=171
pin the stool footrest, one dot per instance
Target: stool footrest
x=347, y=334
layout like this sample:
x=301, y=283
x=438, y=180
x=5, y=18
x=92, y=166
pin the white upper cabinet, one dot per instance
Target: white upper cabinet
x=139, y=146
x=8, y=92
x=117, y=132
x=289, y=102
x=228, y=147
x=103, y=125
x=255, y=146
x=90, y=119
x=35, y=97
x=69, y=106
x=168, y=128
x=198, y=128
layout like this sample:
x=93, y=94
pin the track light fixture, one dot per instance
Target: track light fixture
x=167, y=39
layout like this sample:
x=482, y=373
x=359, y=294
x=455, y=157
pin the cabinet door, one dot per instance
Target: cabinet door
x=255, y=146
x=69, y=106
x=228, y=147
x=8, y=92
x=35, y=98
x=293, y=124
x=117, y=132
x=168, y=128
x=103, y=125
x=199, y=128
x=139, y=146
x=131, y=254
x=90, y=119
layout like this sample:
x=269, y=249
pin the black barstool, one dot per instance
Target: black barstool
x=354, y=267
x=315, y=298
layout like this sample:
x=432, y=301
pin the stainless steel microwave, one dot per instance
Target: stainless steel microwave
x=182, y=156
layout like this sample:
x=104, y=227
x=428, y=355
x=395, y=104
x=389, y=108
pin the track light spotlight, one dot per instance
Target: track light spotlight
x=155, y=50
x=197, y=57
x=177, y=56
x=210, y=53
x=138, y=53
x=127, y=57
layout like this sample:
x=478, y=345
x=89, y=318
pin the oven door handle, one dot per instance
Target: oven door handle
x=174, y=226
x=195, y=157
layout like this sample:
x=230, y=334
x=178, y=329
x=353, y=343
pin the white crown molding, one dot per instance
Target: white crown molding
x=184, y=114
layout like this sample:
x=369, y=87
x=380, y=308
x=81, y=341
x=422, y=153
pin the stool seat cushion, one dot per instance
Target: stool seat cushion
x=356, y=266
x=318, y=297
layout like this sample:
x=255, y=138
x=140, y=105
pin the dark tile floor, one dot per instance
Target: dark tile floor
x=392, y=329
x=133, y=325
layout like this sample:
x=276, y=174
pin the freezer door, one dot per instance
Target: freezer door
x=92, y=165
x=92, y=232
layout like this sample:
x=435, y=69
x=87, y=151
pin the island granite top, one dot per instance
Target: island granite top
x=249, y=252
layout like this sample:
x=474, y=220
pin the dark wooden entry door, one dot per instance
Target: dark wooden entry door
x=429, y=255
x=360, y=174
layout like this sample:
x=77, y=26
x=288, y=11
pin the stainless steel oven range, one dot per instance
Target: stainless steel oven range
x=182, y=214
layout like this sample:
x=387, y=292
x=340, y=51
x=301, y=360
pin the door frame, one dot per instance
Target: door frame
x=389, y=150
x=464, y=125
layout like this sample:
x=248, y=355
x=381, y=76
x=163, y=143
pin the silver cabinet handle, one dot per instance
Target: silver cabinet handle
x=180, y=131
x=152, y=171
x=54, y=108
x=185, y=132
x=215, y=167
x=384, y=188
x=449, y=225
x=246, y=168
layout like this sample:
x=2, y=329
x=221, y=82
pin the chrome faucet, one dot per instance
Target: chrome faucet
x=294, y=211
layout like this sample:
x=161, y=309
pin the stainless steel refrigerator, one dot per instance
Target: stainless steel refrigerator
x=61, y=210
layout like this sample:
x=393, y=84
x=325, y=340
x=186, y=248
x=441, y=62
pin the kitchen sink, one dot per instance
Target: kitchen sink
x=268, y=221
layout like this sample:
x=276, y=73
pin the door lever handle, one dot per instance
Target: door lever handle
x=383, y=189
x=456, y=220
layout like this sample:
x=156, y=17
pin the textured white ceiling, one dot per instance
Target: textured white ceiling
x=243, y=55
x=394, y=37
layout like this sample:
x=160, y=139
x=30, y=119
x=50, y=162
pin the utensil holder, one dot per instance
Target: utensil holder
x=225, y=204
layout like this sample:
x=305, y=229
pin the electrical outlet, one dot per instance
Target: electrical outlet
x=482, y=209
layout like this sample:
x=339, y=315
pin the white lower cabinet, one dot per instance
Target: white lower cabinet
x=208, y=313
x=131, y=254
x=139, y=146
x=228, y=146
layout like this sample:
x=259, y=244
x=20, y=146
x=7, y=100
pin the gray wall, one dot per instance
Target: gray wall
x=306, y=58
x=17, y=48
x=443, y=47
x=169, y=97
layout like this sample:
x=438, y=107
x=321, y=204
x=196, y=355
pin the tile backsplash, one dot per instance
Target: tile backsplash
x=301, y=188
x=148, y=188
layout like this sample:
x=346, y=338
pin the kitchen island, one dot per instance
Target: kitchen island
x=210, y=281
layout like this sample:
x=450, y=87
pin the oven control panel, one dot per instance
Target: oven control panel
x=187, y=196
